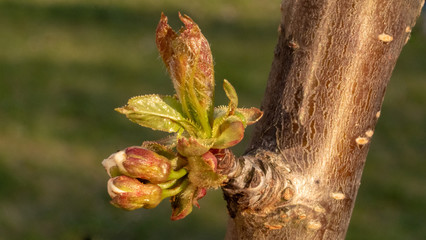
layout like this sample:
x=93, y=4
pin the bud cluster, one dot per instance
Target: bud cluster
x=141, y=178
x=184, y=165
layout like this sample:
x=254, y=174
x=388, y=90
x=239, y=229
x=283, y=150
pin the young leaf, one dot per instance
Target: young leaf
x=247, y=115
x=232, y=95
x=229, y=133
x=210, y=159
x=220, y=111
x=193, y=147
x=182, y=203
x=160, y=149
x=202, y=174
x=199, y=193
x=251, y=115
x=157, y=112
x=189, y=62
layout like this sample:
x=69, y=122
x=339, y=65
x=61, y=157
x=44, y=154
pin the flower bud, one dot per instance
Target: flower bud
x=130, y=194
x=138, y=162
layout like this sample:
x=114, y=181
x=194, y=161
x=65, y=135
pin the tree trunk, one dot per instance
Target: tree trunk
x=300, y=176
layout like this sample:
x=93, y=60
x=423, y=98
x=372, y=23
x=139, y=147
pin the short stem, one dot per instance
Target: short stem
x=167, y=184
x=174, y=191
x=177, y=174
x=206, y=125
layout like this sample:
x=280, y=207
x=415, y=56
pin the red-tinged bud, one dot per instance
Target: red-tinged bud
x=189, y=61
x=186, y=54
x=138, y=162
x=210, y=159
x=146, y=164
x=225, y=159
x=199, y=193
x=130, y=194
x=220, y=153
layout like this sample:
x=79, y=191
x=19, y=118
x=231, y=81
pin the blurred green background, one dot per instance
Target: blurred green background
x=66, y=64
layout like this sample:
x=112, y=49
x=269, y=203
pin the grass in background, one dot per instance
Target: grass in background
x=65, y=65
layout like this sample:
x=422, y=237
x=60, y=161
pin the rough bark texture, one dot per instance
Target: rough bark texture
x=300, y=176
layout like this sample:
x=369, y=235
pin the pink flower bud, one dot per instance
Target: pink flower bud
x=138, y=162
x=130, y=194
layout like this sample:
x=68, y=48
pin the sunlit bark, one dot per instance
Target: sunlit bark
x=300, y=176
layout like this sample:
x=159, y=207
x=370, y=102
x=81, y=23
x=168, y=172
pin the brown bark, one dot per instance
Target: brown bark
x=300, y=176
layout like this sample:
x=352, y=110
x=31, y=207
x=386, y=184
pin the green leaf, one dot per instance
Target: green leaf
x=220, y=114
x=160, y=149
x=193, y=147
x=220, y=111
x=232, y=95
x=201, y=173
x=229, y=133
x=251, y=115
x=161, y=113
x=247, y=115
x=182, y=203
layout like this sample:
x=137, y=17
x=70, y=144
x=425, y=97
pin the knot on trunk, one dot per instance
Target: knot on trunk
x=256, y=182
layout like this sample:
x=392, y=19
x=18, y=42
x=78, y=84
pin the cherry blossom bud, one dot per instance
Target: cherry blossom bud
x=138, y=162
x=130, y=194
